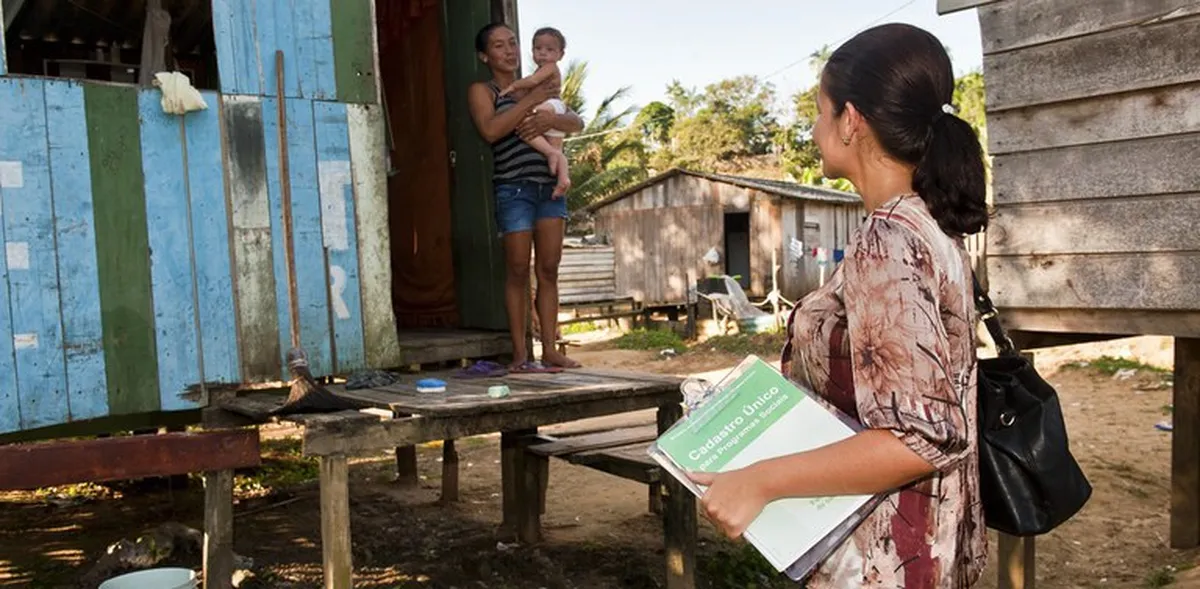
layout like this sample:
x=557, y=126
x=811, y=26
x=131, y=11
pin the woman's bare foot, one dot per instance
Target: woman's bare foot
x=554, y=358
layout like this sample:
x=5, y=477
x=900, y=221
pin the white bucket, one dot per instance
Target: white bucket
x=165, y=578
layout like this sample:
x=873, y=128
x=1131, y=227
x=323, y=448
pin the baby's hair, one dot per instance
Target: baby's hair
x=553, y=32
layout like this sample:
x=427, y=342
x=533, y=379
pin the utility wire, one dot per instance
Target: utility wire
x=842, y=40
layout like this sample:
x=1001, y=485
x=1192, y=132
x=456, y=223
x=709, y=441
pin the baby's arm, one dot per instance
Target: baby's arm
x=542, y=74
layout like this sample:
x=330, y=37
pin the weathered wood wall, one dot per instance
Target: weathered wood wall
x=587, y=275
x=826, y=228
x=144, y=251
x=1094, y=125
x=662, y=231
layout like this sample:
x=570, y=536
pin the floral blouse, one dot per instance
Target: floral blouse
x=890, y=340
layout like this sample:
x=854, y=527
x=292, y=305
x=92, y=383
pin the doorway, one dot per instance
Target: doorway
x=737, y=247
x=412, y=74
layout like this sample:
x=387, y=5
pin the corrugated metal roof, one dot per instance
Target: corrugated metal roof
x=781, y=188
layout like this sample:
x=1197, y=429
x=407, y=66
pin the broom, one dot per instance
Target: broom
x=306, y=396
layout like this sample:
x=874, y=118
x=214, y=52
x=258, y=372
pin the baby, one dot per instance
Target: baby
x=548, y=47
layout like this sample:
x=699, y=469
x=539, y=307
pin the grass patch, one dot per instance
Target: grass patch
x=1110, y=365
x=740, y=565
x=581, y=328
x=283, y=466
x=653, y=340
x=1162, y=577
x=768, y=345
x=80, y=492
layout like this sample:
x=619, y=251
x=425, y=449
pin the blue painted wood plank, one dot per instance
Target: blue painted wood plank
x=324, y=65
x=270, y=121
x=314, y=28
x=276, y=30
x=3, y=55
x=175, y=332
x=311, y=289
x=30, y=255
x=265, y=16
x=10, y=405
x=245, y=47
x=237, y=48
x=210, y=244
x=338, y=234
x=223, y=32
x=74, y=226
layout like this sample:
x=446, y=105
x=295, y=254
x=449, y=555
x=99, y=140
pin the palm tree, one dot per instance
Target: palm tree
x=605, y=157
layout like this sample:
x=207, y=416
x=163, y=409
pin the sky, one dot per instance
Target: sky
x=647, y=43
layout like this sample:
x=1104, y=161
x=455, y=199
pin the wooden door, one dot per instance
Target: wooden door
x=478, y=252
x=414, y=91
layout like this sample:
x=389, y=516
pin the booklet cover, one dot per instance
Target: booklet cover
x=753, y=414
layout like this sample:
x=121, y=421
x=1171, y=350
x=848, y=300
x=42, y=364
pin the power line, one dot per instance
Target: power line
x=842, y=40
x=597, y=134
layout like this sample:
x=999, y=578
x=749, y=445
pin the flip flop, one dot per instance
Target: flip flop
x=483, y=369
x=536, y=368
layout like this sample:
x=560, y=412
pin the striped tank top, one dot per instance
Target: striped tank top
x=513, y=159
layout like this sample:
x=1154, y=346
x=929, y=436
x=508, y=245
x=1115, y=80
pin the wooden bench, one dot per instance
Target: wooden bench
x=620, y=452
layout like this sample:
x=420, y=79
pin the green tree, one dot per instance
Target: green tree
x=970, y=98
x=731, y=118
x=603, y=158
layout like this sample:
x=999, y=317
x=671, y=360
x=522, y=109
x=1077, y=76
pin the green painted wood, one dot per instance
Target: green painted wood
x=123, y=249
x=354, y=51
x=478, y=252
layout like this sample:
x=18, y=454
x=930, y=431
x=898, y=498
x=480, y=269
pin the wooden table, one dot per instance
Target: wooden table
x=465, y=410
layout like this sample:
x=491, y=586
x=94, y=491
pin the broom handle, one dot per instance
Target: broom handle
x=285, y=184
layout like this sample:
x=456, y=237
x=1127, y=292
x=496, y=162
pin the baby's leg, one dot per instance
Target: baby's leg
x=551, y=147
x=561, y=170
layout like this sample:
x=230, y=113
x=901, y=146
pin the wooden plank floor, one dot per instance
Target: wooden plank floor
x=429, y=346
x=469, y=396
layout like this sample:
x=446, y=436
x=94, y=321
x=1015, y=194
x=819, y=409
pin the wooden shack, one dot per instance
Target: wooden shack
x=662, y=229
x=144, y=252
x=1093, y=112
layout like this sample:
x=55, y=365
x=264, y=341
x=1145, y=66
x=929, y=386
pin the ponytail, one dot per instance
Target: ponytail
x=950, y=176
x=899, y=77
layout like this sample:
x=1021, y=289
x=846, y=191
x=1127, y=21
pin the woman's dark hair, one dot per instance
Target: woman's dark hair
x=899, y=77
x=485, y=34
x=553, y=32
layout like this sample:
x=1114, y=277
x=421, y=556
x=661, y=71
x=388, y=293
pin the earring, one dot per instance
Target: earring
x=845, y=141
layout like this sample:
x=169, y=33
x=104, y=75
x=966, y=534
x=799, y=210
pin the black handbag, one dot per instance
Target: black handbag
x=1028, y=479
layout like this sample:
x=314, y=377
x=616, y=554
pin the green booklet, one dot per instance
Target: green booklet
x=753, y=414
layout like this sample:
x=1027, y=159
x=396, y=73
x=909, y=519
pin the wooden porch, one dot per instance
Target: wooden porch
x=397, y=416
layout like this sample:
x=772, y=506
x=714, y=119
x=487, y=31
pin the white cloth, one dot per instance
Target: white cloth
x=559, y=107
x=178, y=95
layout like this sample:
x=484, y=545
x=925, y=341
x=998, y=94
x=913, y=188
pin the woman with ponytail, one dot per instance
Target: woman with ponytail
x=890, y=338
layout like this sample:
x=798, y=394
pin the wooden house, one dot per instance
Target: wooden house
x=1093, y=115
x=144, y=250
x=663, y=229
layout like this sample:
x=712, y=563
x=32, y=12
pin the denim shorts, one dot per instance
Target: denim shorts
x=519, y=205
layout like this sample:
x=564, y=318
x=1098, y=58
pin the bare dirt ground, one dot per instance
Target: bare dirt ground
x=598, y=531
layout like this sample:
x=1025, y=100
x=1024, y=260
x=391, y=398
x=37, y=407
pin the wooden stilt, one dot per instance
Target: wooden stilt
x=218, y=530
x=449, y=472
x=406, y=461
x=335, y=523
x=511, y=475
x=679, y=518
x=1185, y=446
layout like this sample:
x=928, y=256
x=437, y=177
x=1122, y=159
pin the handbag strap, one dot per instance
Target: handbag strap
x=991, y=318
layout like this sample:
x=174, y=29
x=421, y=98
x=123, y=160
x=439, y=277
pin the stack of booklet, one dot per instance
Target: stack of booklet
x=754, y=414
